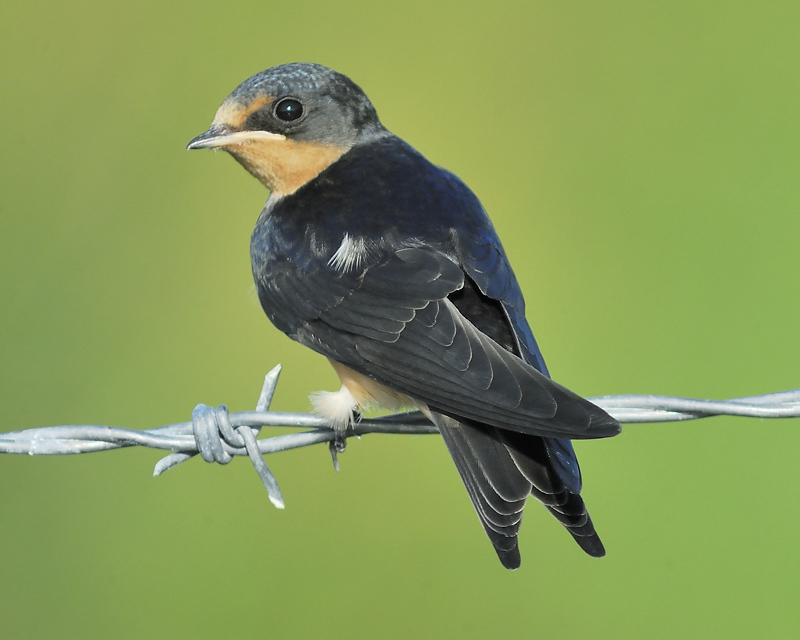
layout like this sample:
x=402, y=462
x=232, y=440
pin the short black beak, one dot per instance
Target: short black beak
x=214, y=137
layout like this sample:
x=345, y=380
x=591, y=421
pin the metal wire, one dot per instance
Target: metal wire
x=218, y=436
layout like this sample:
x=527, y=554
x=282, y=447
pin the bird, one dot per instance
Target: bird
x=389, y=266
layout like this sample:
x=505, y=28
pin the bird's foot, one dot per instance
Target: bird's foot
x=334, y=451
x=339, y=407
x=339, y=442
x=337, y=445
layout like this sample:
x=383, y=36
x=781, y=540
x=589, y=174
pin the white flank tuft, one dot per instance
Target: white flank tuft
x=335, y=406
x=349, y=255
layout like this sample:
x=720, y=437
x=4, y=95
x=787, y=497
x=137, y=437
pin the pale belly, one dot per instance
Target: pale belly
x=357, y=393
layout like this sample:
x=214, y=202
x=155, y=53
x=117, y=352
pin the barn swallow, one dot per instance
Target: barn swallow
x=389, y=266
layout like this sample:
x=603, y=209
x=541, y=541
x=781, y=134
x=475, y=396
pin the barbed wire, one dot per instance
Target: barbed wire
x=218, y=436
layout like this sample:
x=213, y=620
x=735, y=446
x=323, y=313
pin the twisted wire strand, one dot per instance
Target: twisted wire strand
x=218, y=435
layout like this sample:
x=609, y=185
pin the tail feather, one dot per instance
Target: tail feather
x=500, y=469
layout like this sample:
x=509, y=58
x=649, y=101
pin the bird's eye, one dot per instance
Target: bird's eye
x=288, y=109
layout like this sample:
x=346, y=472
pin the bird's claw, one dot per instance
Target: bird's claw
x=339, y=442
x=337, y=446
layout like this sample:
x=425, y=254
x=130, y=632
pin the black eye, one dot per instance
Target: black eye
x=288, y=109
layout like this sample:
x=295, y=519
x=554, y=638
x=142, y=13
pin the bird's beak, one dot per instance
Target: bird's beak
x=222, y=136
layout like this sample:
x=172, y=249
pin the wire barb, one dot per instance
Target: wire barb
x=218, y=441
x=218, y=435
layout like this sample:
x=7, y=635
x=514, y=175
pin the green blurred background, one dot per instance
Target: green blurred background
x=641, y=162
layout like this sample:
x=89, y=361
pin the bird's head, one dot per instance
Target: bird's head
x=288, y=123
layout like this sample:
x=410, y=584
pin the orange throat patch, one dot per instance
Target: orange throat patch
x=283, y=166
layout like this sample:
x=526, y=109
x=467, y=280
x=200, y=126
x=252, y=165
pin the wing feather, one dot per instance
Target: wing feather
x=393, y=322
